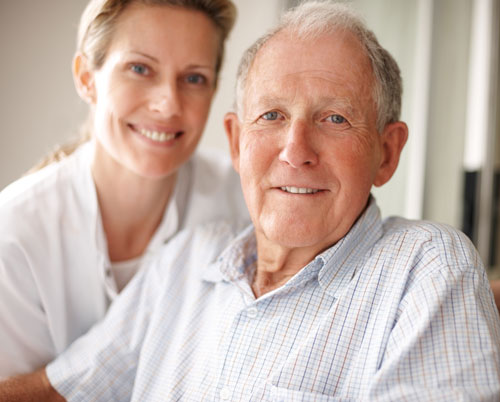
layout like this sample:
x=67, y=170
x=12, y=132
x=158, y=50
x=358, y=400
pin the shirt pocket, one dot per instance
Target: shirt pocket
x=279, y=394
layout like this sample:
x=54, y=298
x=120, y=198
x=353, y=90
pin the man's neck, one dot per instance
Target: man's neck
x=277, y=264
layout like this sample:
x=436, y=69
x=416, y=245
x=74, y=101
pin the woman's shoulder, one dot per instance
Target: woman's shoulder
x=212, y=162
x=201, y=244
x=45, y=189
x=214, y=188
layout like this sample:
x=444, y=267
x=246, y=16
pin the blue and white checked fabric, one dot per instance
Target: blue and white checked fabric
x=396, y=310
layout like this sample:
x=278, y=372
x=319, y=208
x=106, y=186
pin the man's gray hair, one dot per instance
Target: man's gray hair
x=315, y=18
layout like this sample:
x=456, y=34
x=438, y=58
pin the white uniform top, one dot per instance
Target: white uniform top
x=55, y=274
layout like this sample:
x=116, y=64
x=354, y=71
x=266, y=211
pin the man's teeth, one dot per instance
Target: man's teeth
x=157, y=136
x=299, y=190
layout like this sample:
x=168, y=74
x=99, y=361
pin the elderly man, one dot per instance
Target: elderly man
x=318, y=299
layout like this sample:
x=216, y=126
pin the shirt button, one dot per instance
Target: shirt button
x=225, y=394
x=252, y=312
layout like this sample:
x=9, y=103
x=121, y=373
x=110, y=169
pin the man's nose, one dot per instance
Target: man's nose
x=166, y=100
x=298, y=149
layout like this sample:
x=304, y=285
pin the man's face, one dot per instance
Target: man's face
x=307, y=148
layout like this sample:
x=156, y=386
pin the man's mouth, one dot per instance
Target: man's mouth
x=299, y=190
x=159, y=136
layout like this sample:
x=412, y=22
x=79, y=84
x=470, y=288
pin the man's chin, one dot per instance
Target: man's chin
x=294, y=236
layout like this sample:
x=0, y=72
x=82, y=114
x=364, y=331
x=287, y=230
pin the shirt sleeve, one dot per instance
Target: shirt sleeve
x=102, y=364
x=26, y=343
x=445, y=343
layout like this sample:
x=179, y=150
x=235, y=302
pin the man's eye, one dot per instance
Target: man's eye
x=139, y=69
x=270, y=116
x=336, y=118
x=196, y=79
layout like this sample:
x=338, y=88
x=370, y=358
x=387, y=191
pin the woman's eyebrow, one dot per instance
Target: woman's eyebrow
x=142, y=54
x=190, y=66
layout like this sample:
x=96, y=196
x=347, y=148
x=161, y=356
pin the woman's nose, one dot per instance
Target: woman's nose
x=298, y=149
x=166, y=100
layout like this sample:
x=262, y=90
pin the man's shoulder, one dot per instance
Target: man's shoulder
x=413, y=255
x=450, y=246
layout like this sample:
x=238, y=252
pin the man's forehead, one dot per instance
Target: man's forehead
x=330, y=68
x=268, y=97
x=329, y=55
x=286, y=42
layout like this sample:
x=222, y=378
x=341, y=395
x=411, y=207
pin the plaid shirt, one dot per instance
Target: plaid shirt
x=396, y=310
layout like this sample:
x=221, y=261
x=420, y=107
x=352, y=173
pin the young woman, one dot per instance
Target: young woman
x=73, y=233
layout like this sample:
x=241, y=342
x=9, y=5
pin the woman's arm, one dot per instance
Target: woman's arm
x=34, y=387
x=26, y=342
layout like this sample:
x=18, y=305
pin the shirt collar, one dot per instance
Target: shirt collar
x=236, y=259
x=341, y=261
x=85, y=188
x=170, y=221
x=334, y=268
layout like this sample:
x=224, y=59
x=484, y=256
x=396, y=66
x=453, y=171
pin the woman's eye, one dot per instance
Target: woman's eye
x=336, y=118
x=139, y=69
x=270, y=116
x=196, y=79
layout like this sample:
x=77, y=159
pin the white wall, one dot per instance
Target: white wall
x=443, y=121
x=448, y=109
x=38, y=106
x=395, y=25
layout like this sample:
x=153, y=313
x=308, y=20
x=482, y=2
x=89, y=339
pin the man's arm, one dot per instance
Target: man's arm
x=34, y=387
x=445, y=343
x=495, y=287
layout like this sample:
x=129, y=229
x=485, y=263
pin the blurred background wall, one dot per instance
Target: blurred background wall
x=447, y=51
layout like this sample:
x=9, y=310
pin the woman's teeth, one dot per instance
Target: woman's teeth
x=157, y=136
x=299, y=190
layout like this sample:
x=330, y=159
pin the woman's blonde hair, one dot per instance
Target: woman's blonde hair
x=95, y=33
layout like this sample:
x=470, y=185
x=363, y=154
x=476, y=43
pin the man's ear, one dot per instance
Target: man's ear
x=393, y=139
x=232, y=127
x=83, y=78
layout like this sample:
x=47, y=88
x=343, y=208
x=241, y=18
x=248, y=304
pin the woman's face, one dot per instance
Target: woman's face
x=152, y=95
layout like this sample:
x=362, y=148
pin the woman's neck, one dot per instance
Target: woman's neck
x=131, y=206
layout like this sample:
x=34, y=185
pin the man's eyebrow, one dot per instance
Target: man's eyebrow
x=343, y=104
